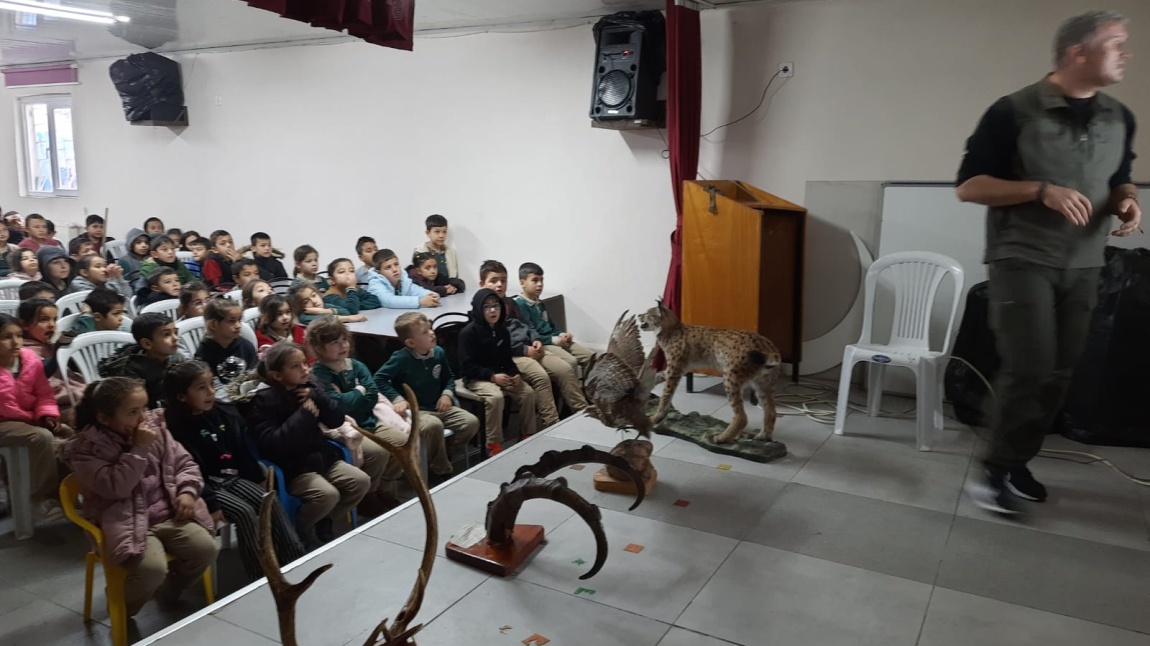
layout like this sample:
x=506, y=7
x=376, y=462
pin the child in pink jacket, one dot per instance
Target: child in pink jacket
x=29, y=415
x=143, y=489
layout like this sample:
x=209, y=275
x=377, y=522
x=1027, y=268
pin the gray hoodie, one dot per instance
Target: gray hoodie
x=129, y=262
x=49, y=253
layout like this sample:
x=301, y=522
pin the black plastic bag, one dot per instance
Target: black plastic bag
x=149, y=86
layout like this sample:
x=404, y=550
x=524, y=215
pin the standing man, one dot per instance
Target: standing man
x=1052, y=164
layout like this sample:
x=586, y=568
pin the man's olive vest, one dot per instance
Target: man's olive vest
x=1053, y=146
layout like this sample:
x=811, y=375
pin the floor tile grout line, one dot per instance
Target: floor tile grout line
x=695, y=632
x=589, y=599
x=705, y=584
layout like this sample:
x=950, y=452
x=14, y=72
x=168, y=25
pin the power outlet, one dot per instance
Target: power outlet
x=786, y=70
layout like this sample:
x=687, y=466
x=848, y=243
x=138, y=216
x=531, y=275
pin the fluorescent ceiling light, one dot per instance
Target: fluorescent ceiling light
x=62, y=11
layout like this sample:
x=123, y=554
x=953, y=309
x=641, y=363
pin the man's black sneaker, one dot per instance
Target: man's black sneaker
x=992, y=494
x=1022, y=483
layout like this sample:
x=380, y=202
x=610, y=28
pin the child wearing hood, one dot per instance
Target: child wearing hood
x=138, y=249
x=489, y=369
x=57, y=269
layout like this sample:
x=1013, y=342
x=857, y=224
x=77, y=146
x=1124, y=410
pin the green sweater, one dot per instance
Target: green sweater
x=151, y=265
x=429, y=377
x=347, y=399
x=356, y=301
x=537, y=317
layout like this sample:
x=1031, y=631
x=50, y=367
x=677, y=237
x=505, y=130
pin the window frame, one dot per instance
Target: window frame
x=26, y=160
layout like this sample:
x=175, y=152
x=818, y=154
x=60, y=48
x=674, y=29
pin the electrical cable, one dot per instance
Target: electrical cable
x=756, y=109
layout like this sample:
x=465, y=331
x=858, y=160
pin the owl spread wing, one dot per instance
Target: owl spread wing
x=611, y=380
x=625, y=343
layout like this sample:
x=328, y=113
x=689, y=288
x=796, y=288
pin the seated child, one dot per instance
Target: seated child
x=79, y=247
x=57, y=269
x=94, y=272
x=175, y=235
x=307, y=268
x=93, y=233
x=285, y=418
x=276, y=324
x=244, y=271
x=424, y=271
x=38, y=234
x=29, y=415
x=160, y=285
x=164, y=255
x=139, y=246
x=198, y=247
x=157, y=348
x=255, y=292
x=143, y=490
x=393, y=288
x=37, y=289
x=154, y=227
x=214, y=435
x=6, y=249
x=228, y=354
x=186, y=240
x=193, y=297
x=308, y=305
x=436, y=244
x=105, y=312
x=488, y=369
x=422, y=365
x=534, y=312
x=216, y=268
x=23, y=265
x=343, y=295
x=264, y=254
x=38, y=320
x=527, y=348
x=365, y=250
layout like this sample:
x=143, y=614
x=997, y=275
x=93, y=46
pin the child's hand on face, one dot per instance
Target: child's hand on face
x=115, y=271
x=144, y=435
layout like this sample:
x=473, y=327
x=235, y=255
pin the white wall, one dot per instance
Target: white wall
x=323, y=144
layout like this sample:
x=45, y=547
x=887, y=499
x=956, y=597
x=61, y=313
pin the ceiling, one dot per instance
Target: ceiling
x=197, y=25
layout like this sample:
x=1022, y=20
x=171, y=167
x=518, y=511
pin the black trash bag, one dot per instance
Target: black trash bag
x=1110, y=388
x=149, y=86
x=975, y=343
x=650, y=22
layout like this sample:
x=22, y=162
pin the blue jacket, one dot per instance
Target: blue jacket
x=406, y=297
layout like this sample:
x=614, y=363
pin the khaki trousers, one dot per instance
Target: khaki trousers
x=494, y=399
x=192, y=550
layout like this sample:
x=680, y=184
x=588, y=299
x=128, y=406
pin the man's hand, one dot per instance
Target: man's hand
x=451, y=289
x=400, y=407
x=429, y=300
x=444, y=404
x=502, y=380
x=1070, y=203
x=185, y=507
x=1131, y=215
x=144, y=435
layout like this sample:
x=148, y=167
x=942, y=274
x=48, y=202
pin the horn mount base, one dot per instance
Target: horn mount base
x=500, y=560
x=602, y=481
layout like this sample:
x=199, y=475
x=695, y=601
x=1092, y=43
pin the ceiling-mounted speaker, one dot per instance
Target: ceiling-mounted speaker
x=630, y=58
x=151, y=89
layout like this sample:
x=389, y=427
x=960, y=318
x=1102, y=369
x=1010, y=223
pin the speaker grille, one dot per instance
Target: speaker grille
x=614, y=88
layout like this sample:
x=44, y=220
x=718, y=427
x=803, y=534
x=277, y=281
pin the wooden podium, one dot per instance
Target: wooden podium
x=743, y=263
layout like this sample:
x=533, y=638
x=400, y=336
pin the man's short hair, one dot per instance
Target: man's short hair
x=33, y=287
x=528, y=268
x=92, y=219
x=491, y=267
x=260, y=235
x=147, y=324
x=382, y=256
x=361, y=242
x=435, y=220
x=409, y=323
x=238, y=266
x=1080, y=29
x=101, y=300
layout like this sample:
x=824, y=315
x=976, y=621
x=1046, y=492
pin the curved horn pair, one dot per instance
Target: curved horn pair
x=552, y=461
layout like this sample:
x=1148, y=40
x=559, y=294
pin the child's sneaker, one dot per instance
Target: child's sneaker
x=494, y=448
x=49, y=511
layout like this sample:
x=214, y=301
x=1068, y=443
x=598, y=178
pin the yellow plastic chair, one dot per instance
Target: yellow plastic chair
x=114, y=575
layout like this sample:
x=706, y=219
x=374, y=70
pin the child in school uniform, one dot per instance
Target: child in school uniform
x=424, y=271
x=308, y=305
x=343, y=294
x=394, y=288
x=143, y=489
x=534, y=313
x=436, y=229
x=307, y=268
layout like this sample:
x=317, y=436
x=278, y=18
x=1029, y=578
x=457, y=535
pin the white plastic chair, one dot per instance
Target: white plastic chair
x=184, y=256
x=252, y=317
x=191, y=332
x=87, y=350
x=9, y=307
x=917, y=275
x=17, y=462
x=167, y=306
x=66, y=323
x=118, y=248
x=249, y=334
x=236, y=295
x=70, y=303
x=10, y=288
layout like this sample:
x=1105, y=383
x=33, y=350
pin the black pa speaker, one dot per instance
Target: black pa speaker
x=630, y=58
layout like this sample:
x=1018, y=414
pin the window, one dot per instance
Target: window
x=49, y=165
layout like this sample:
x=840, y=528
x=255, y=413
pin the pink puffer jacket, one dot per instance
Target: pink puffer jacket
x=110, y=471
x=28, y=397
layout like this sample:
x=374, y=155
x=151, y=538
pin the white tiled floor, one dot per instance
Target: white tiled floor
x=856, y=539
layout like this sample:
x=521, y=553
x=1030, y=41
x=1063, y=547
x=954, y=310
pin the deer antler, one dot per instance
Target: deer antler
x=552, y=461
x=286, y=594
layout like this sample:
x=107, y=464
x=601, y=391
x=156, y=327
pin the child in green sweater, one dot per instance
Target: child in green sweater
x=534, y=312
x=422, y=365
x=343, y=294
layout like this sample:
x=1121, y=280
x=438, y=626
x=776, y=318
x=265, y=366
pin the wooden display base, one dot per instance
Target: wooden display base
x=602, y=481
x=499, y=560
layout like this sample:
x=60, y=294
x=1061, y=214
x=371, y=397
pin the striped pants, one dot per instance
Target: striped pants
x=240, y=501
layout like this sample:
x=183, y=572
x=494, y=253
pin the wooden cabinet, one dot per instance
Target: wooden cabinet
x=743, y=262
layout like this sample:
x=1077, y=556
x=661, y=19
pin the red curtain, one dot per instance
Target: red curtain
x=389, y=23
x=684, y=102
